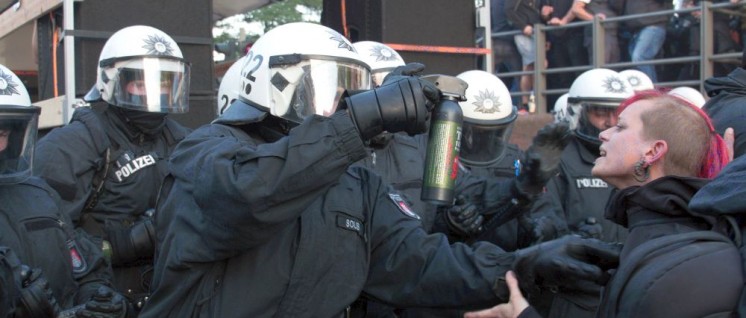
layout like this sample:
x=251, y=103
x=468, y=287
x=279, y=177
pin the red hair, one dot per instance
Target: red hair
x=716, y=155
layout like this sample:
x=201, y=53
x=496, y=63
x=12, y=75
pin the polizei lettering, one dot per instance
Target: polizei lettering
x=590, y=183
x=133, y=166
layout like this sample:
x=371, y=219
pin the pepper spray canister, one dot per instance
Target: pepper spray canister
x=444, y=143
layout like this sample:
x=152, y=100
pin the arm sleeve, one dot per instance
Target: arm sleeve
x=247, y=192
x=67, y=159
x=98, y=271
x=513, y=13
x=411, y=268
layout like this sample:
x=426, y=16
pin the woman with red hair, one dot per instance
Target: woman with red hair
x=673, y=263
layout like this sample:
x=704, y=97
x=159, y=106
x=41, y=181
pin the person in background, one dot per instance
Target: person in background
x=108, y=163
x=505, y=54
x=587, y=10
x=569, y=50
x=485, y=151
x=648, y=33
x=524, y=14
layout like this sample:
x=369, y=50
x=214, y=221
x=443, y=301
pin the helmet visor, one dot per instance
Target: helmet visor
x=322, y=85
x=152, y=85
x=18, y=126
x=595, y=118
x=484, y=144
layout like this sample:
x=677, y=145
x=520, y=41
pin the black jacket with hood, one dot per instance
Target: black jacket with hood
x=673, y=264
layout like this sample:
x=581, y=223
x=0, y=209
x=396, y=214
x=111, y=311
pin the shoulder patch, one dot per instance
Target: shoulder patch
x=79, y=264
x=403, y=205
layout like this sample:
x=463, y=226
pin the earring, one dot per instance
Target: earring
x=642, y=171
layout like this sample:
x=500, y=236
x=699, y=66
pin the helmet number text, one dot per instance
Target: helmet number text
x=256, y=61
x=226, y=103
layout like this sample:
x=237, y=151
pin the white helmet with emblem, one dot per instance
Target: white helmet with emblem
x=596, y=94
x=489, y=115
x=230, y=86
x=300, y=69
x=18, y=126
x=142, y=68
x=380, y=57
x=560, y=111
x=690, y=95
x=637, y=79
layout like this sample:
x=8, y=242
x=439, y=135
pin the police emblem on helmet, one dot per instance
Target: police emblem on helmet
x=158, y=45
x=7, y=87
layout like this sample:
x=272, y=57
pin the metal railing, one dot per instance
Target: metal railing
x=706, y=58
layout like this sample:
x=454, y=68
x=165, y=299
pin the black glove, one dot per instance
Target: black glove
x=106, y=303
x=37, y=299
x=397, y=105
x=570, y=263
x=541, y=160
x=403, y=71
x=590, y=228
x=464, y=219
x=134, y=243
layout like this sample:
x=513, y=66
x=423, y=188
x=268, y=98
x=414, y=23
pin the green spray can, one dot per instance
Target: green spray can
x=444, y=141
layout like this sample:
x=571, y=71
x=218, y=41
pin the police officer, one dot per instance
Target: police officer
x=33, y=224
x=489, y=116
x=575, y=201
x=108, y=164
x=262, y=217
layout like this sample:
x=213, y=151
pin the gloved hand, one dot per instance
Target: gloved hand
x=590, y=228
x=463, y=218
x=398, y=105
x=37, y=299
x=134, y=243
x=570, y=263
x=106, y=303
x=541, y=160
x=403, y=71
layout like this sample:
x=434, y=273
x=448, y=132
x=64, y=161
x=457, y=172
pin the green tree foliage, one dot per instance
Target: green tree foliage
x=285, y=11
x=270, y=16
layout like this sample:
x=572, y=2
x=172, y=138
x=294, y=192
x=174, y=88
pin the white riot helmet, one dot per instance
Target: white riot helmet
x=690, y=95
x=489, y=115
x=230, y=86
x=142, y=68
x=596, y=94
x=299, y=69
x=18, y=125
x=380, y=57
x=562, y=113
x=637, y=79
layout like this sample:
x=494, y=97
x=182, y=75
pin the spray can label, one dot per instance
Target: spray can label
x=443, y=149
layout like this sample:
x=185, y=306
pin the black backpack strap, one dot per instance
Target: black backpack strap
x=92, y=122
x=98, y=182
